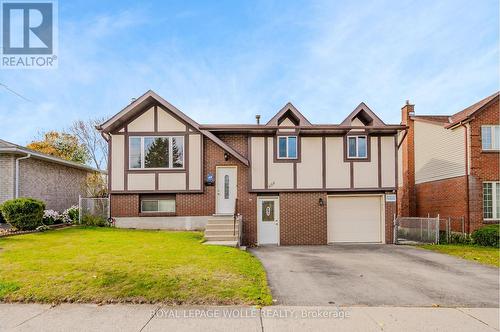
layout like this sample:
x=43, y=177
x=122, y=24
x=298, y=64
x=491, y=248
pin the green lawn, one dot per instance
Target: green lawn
x=114, y=265
x=484, y=255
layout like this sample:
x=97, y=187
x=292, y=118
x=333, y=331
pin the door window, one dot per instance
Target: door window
x=226, y=186
x=267, y=210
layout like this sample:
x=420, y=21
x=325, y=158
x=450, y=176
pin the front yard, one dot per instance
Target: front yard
x=484, y=255
x=114, y=265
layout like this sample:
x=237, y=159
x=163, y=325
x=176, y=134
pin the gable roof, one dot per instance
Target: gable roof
x=147, y=100
x=469, y=112
x=362, y=111
x=11, y=148
x=289, y=111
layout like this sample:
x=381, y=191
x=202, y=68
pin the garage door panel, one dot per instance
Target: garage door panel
x=354, y=219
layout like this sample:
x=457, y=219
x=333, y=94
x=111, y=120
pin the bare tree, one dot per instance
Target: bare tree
x=91, y=138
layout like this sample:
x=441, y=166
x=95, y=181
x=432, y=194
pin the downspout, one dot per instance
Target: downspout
x=17, y=173
x=467, y=211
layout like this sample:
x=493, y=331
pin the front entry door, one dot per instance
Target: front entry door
x=268, y=215
x=226, y=189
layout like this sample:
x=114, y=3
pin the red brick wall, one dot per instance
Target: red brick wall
x=304, y=222
x=124, y=205
x=406, y=191
x=390, y=211
x=484, y=166
x=302, y=219
x=447, y=197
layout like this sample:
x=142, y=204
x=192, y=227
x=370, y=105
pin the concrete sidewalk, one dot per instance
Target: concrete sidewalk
x=121, y=317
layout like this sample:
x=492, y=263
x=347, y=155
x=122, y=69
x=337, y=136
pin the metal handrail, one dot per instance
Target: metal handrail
x=235, y=214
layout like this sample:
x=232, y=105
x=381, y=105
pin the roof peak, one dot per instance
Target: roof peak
x=286, y=111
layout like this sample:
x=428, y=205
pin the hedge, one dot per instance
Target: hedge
x=487, y=236
x=23, y=213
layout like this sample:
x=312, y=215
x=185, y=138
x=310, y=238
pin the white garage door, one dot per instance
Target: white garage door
x=355, y=219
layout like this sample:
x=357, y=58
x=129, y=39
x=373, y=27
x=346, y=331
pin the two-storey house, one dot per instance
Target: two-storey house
x=292, y=182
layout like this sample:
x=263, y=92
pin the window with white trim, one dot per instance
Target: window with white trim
x=287, y=147
x=491, y=200
x=490, y=137
x=152, y=205
x=156, y=152
x=357, y=147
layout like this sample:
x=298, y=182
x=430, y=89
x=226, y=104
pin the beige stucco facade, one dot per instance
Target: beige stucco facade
x=156, y=122
x=310, y=168
x=306, y=173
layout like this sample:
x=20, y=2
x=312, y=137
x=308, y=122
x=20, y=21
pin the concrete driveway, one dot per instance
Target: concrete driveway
x=376, y=275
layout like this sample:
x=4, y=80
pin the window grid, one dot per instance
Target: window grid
x=491, y=200
x=490, y=137
x=171, y=163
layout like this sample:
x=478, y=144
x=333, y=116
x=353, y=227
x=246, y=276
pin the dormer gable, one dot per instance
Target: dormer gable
x=362, y=116
x=288, y=116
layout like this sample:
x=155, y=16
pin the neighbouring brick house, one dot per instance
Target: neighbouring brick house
x=449, y=165
x=28, y=173
x=291, y=181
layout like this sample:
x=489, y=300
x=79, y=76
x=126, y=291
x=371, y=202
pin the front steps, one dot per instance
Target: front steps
x=220, y=231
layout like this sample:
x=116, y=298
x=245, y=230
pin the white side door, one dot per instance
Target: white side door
x=268, y=218
x=226, y=189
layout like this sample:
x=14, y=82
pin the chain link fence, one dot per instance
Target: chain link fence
x=429, y=230
x=93, y=206
x=408, y=230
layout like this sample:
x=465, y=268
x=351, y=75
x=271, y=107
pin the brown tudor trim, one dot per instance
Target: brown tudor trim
x=156, y=192
x=328, y=190
x=351, y=174
x=294, y=175
x=186, y=158
x=396, y=162
x=379, y=160
x=109, y=163
x=266, y=162
x=323, y=161
x=249, y=156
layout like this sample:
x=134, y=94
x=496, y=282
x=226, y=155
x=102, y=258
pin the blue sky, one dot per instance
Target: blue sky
x=225, y=61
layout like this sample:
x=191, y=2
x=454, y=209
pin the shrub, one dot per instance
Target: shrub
x=43, y=228
x=51, y=217
x=70, y=215
x=90, y=220
x=23, y=213
x=455, y=238
x=2, y=219
x=487, y=236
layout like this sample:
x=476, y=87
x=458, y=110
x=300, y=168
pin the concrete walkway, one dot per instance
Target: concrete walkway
x=90, y=317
